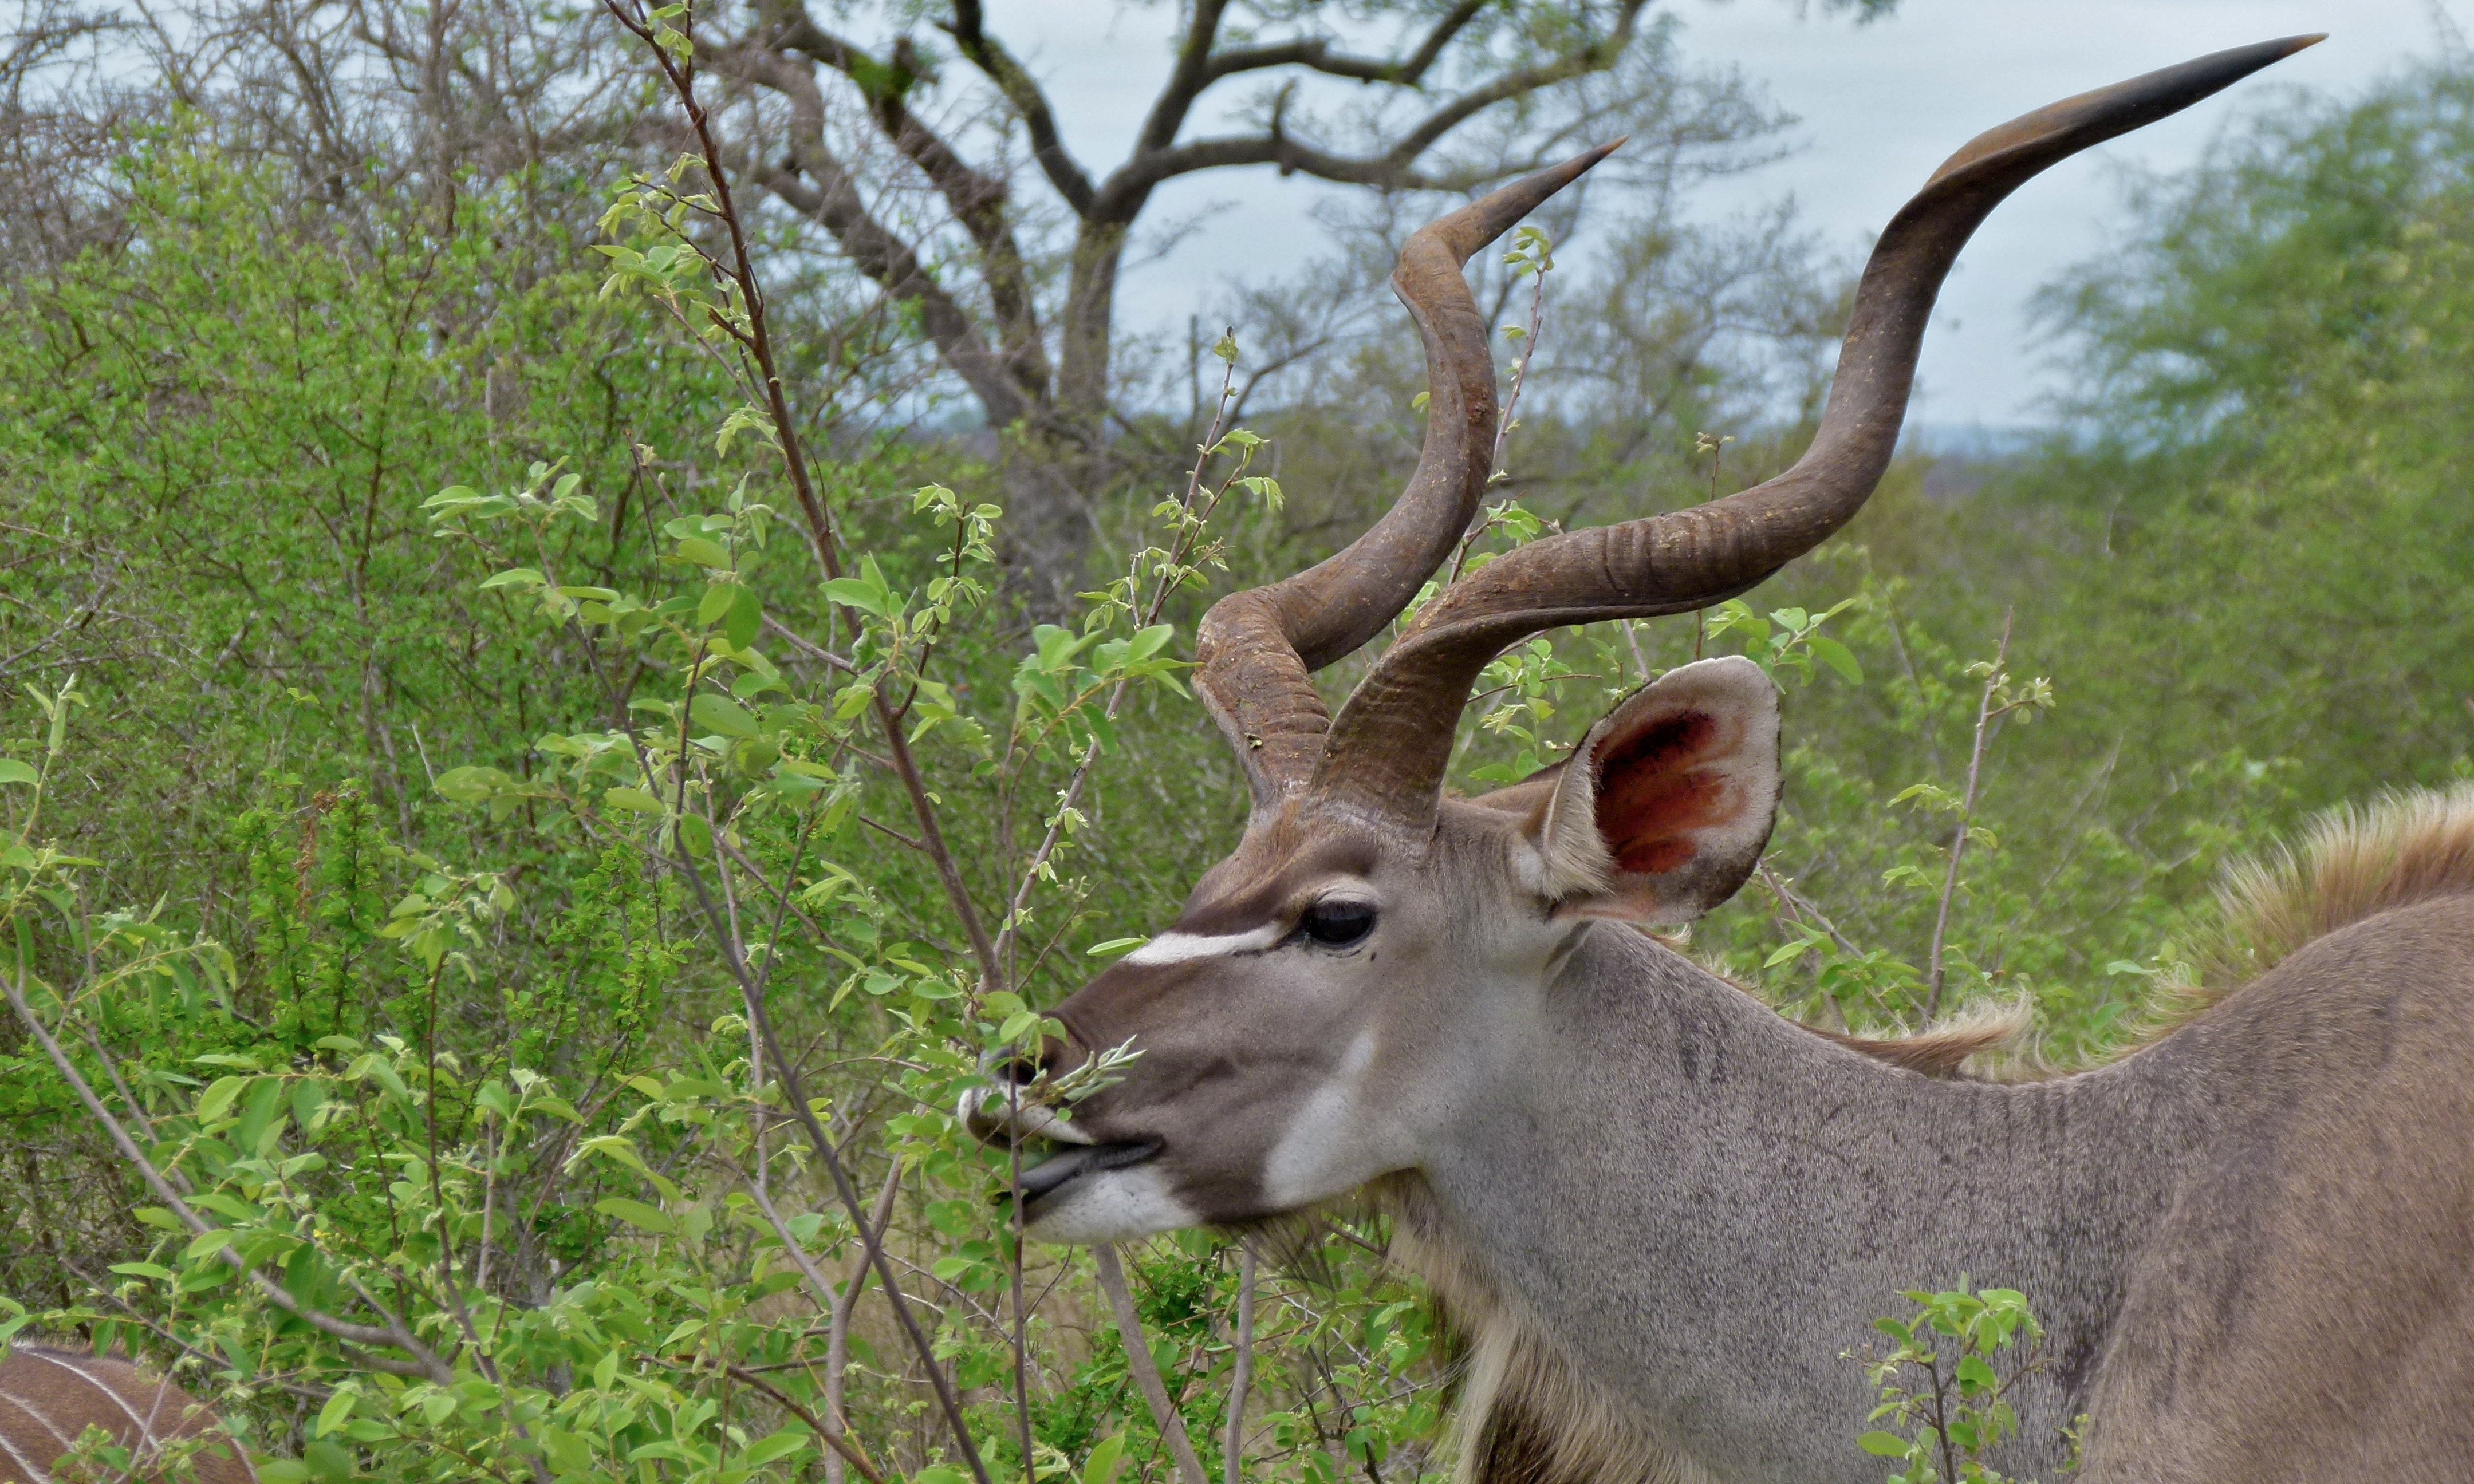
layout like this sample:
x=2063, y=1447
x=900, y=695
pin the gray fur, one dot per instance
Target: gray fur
x=2252, y=1244
x=1658, y=1212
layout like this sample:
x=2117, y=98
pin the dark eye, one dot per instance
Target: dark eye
x=1337, y=924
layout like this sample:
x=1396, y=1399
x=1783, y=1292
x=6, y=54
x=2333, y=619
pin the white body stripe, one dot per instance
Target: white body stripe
x=145, y=1425
x=26, y=1464
x=36, y=1413
x=1185, y=948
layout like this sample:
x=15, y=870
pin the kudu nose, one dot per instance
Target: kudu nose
x=1011, y=1109
x=1022, y=1068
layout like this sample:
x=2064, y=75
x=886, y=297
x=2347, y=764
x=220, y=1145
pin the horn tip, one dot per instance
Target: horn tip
x=2294, y=44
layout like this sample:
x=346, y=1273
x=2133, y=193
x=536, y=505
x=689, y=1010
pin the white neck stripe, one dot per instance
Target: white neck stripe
x=1185, y=948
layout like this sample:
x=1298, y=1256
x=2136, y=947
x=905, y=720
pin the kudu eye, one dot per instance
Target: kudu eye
x=1337, y=924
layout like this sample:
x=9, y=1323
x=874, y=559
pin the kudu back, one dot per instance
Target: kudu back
x=1655, y=1211
x=49, y=1397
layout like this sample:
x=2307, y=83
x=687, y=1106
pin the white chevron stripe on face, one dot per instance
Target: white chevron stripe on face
x=1186, y=948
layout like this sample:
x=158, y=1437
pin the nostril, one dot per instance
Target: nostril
x=1020, y=1068
x=1014, y=1068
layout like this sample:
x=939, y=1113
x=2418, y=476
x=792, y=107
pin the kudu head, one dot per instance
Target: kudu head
x=1343, y=989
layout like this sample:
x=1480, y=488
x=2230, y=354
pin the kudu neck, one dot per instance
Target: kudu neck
x=1701, y=1206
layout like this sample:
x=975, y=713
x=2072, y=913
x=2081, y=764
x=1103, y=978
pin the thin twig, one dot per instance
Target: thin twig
x=396, y=1335
x=837, y=1306
x=1021, y=1311
x=1010, y=930
x=758, y=344
x=837, y=1328
x=1984, y=714
x=1145, y=1369
x=843, y=1451
x=752, y=995
x=1242, y=1379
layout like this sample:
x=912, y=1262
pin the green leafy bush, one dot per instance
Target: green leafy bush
x=1943, y=1383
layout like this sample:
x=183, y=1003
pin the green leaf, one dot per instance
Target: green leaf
x=1795, y=949
x=514, y=577
x=780, y=1444
x=1884, y=1445
x=716, y=601
x=633, y=799
x=745, y=620
x=11, y=770
x=471, y=785
x=1114, y=945
x=143, y=1270
x=1836, y=656
x=722, y=714
x=1108, y=1458
x=219, y=1098
x=335, y=1413
x=852, y=592
x=703, y=553
x=636, y=1213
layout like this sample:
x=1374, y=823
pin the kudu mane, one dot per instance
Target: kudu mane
x=2351, y=864
x=2354, y=863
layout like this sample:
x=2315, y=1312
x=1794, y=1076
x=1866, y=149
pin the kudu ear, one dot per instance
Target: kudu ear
x=1662, y=812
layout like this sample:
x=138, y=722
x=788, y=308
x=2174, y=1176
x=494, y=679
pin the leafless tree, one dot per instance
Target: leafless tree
x=938, y=146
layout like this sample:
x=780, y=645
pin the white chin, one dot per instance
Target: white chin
x=1110, y=1206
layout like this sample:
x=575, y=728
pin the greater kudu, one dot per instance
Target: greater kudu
x=49, y=1397
x=1656, y=1210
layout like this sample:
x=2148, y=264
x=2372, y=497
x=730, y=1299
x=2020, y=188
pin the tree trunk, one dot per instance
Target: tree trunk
x=1049, y=477
x=1057, y=462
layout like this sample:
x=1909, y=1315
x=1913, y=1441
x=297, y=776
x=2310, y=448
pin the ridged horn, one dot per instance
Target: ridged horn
x=1386, y=754
x=1256, y=648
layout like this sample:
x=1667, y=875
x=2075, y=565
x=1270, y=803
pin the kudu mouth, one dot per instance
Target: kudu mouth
x=1067, y=1165
x=1010, y=1113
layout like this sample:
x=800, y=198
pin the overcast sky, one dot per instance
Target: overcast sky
x=1878, y=107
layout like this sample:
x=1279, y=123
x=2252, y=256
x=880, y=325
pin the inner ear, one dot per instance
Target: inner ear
x=1677, y=798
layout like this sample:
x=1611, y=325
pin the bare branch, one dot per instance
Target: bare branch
x=977, y=198
x=968, y=30
x=833, y=201
x=1145, y=1369
x=822, y=542
x=1122, y=196
x=1315, y=55
x=1242, y=1377
x=1191, y=75
x=842, y=1450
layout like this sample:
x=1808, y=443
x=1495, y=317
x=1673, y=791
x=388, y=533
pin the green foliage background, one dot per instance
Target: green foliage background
x=364, y=941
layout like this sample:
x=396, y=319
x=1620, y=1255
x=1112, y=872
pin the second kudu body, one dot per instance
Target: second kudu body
x=1655, y=1211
